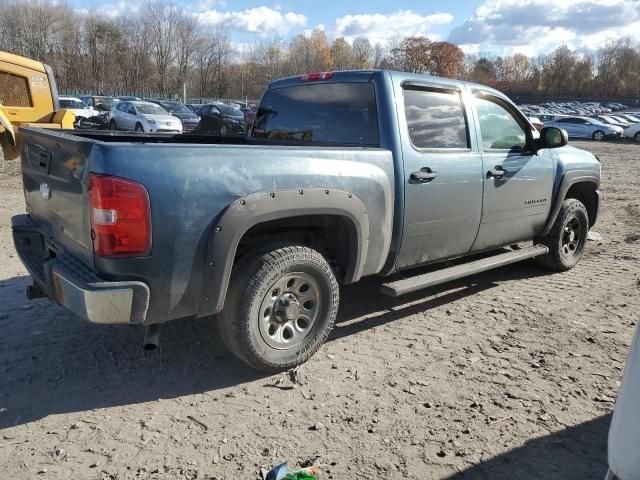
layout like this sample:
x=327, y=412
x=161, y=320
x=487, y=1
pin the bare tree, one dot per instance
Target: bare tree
x=363, y=52
x=186, y=37
x=211, y=54
x=163, y=18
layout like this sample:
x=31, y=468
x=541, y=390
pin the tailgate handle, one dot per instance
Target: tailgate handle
x=44, y=159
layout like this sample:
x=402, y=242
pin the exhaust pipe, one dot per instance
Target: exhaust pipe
x=151, y=337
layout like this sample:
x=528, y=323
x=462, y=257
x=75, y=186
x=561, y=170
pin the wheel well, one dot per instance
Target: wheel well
x=586, y=193
x=334, y=236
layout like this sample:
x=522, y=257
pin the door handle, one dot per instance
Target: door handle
x=424, y=175
x=497, y=172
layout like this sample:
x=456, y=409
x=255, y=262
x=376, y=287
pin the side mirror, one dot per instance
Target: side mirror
x=553, y=137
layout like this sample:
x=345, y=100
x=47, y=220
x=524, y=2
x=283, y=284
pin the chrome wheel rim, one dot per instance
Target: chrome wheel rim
x=289, y=310
x=571, y=237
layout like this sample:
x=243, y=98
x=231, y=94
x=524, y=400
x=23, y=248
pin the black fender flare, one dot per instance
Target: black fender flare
x=568, y=180
x=251, y=210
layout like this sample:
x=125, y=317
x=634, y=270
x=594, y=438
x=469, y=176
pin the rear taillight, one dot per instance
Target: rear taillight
x=120, y=217
x=309, y=77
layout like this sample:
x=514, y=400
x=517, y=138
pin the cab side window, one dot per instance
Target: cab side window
x=499, y=128
x=435, y=118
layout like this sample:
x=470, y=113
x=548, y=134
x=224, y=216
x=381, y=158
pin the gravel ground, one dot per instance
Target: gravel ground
x=509, y=374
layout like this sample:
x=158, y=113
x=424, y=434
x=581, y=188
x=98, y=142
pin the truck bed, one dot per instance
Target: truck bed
x=191, y=180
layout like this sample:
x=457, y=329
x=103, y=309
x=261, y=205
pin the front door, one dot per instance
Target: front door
x=518, y=182
x=211, y=119
x=443, y=175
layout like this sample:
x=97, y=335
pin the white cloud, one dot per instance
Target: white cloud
x=382, y=28
x=534, y=26
x=111, y=10
x=262, y=20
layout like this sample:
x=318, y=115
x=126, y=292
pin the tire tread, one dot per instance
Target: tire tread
x=554, y=259
x=246, y=279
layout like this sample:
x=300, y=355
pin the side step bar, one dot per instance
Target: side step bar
x=412, y=284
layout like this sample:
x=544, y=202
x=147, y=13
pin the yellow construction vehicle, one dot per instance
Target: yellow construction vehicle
x=28, y=97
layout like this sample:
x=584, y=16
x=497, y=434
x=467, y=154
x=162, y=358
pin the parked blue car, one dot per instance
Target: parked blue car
x=585, y=127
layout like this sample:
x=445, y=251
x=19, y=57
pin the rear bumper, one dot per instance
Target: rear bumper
x=75, y=286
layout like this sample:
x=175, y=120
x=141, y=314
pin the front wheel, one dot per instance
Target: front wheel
x=567, y=238
x=281, y=306
x=223, y=131
x=139, y=128
x=598, y=135
x=112, y=125
x=636, y=137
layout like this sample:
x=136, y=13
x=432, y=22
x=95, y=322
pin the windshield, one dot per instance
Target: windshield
x=620, y=119
x=65, y=103
x=150, y=109
x=175, y=107
x=230, y=111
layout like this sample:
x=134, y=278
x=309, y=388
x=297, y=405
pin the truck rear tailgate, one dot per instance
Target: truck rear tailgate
x=54, y=172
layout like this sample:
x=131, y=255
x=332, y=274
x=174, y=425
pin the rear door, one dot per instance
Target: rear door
x=211, y=119
x=118, y=113
x=570, y=125
x=443, y=174
x=518, y=181
x=132, y=116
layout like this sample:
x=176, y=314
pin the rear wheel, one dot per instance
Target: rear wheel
x=112, y=125
x=139, y=128
x=598, y=135
x=567, y=238
x=281, y=306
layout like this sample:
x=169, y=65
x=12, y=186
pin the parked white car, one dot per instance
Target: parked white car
x=79, y=108
x=143, y=117
x=624, y=432
x=633, y=131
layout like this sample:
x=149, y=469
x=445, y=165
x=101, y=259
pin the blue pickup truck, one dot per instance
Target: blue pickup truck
x=342, y=175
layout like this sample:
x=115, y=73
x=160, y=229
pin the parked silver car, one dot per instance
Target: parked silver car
x=585, y=127
x=143, y=117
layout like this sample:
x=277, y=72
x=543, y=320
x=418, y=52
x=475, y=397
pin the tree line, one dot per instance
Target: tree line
x=163, y=49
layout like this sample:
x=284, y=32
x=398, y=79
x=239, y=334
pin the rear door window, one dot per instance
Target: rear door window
x=342, y=113
x=435, y=118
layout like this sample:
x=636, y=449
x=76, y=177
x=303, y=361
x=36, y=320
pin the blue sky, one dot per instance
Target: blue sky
x=488, y=27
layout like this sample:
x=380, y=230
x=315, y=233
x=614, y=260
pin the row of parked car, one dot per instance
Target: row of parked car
x=158, y=115
x=597, y=127
x=571, y=108
x=594, y=120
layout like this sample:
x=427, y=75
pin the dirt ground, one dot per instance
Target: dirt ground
x=510, y=374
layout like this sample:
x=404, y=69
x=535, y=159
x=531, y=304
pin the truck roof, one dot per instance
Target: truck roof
x=366, y=75
x=22, y=61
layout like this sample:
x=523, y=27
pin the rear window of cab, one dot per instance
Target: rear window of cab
x=337, y=113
